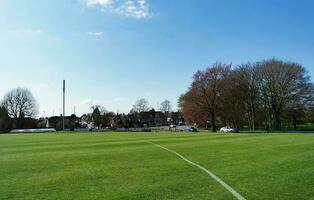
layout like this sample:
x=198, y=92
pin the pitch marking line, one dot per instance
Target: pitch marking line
x=225, y=185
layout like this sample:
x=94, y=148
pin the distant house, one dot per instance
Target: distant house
x=56, y=122
x=43, y=123
x=177, y=118
x=155, y=118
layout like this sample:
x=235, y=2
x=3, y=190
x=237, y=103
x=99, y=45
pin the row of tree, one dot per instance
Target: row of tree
x=19, y=108
x=142, y=105
x=270, y=94
x=100, y=117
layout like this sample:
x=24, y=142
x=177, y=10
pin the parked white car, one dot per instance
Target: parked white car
x=227, y=129
x=172, y=126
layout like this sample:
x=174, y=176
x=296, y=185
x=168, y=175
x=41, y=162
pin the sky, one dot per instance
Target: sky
x=113, y=52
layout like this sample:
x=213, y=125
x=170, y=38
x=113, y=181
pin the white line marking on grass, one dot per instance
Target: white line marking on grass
x=225, y=185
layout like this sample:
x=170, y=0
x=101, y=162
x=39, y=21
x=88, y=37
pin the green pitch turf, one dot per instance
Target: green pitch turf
x=124, y=166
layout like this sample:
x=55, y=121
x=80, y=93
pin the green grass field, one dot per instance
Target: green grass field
x=125, y=166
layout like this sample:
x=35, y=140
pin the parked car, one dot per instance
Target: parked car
x=172, y=126
x=227, y=129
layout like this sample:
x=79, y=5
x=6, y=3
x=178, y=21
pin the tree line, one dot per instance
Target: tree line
x=140, y=114
x=19, y=109
x=270, y=94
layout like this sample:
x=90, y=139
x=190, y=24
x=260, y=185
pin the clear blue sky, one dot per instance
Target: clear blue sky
x=113, y=52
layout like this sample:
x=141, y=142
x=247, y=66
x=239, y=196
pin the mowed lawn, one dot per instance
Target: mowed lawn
x=126, y=166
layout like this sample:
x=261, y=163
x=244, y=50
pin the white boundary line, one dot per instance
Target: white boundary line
x=225, y=185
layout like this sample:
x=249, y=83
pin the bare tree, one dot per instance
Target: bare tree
x=99, y=116
x=203, y=97
x=231, y=102
x=283, y=84
x=141, y=105
x=181, y=102
x=165, y=106
x=20, y=103
x=98, y=108
x=246, y=81
x=96, y=115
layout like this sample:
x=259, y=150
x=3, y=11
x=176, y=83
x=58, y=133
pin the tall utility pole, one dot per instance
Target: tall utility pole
x=63, y=104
